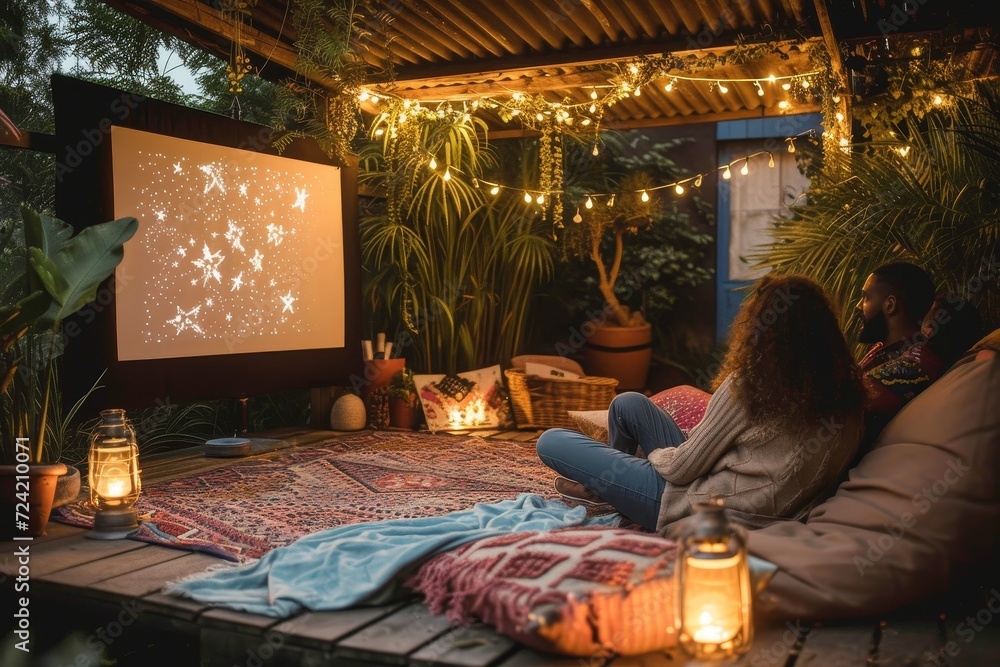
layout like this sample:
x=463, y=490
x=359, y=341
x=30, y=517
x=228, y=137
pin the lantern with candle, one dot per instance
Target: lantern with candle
x=113, y=474
x=714, y=587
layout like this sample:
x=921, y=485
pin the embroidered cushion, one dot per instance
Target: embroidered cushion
x=576, y=591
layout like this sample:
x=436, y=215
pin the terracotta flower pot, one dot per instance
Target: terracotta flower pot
x=67, y=487
x=623, y=353
x=26, y=494
x=403, y=413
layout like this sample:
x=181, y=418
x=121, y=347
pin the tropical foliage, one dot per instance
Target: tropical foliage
x=926, y=194
x=643, y=255
x=456, y=268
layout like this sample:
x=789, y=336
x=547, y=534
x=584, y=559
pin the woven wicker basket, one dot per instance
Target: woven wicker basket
x=541, y=402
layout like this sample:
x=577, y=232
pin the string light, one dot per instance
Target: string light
x=589, y=203
x=527, y=197
x=540, y=199
x=611, y=202
x=786, y=86
x=593, y=94
x=791, y=144
x=760, y=89
x=770, y=160
x=745, y=169
x=495, y=190
x=379, y=132
x=595, y=152
x=670, y=85
x=783, y=104
x=577, y=218
x=722, y=87
x=645, y=196
x=679, y=189
x=938, y=100
x=727, y=174
x=433, y=164
x=447, y=174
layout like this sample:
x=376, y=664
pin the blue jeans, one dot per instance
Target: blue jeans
x=614, y=472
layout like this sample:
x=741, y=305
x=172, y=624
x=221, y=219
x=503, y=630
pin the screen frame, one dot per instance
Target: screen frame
x=84, y=114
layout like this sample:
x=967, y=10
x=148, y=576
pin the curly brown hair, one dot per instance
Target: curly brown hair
x=788, y=357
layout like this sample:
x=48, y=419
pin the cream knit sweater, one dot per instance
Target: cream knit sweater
x=757, y=471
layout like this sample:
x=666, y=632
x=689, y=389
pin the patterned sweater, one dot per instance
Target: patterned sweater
x=758, y=471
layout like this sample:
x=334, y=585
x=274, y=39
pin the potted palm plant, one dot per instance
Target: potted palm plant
x=51, y=274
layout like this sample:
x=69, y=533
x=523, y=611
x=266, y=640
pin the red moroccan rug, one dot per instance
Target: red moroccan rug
x=243, y=510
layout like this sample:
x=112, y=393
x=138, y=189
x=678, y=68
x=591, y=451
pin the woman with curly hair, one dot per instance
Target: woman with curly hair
x=784, y=420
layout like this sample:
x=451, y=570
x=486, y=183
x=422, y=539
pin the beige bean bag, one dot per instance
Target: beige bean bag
x=916, y=509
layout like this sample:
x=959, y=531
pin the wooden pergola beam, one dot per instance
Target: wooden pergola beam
x=836, y=64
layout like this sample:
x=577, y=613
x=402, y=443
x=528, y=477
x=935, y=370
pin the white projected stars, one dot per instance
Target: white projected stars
x=161, y=215
x=300, y=199
x=288, y=300
x=182, y=251
x=243, y=189
x=237, y=283
x=177, y=168
x=186, y=320
x=275, y=233
x=235, y=236
x=212, y=178
x=257, y=261
x=209, y=264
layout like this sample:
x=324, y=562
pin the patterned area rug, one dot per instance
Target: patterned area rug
x=243, y=510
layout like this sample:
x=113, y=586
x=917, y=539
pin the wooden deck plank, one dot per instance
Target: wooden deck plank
x=773, y=645
x=904, y=643
x=89, y=574
x=228, y=619
x=50, y=557
x=394, y=637
x=172, y=606
x=321, y=629
x=838, y=646
x=139, y=583
x=669, y=659
x=464, y=646
x=527, y=657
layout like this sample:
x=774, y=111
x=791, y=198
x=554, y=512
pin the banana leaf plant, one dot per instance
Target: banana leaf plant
x=52, y=275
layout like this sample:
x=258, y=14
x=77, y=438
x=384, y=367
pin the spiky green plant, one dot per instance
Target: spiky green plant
x=456, y=269
x=929, y=196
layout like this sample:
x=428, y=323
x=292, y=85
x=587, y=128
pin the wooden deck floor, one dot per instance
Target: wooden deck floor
x=91, y=598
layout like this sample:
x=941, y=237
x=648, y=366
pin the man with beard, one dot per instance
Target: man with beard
x=895, y=298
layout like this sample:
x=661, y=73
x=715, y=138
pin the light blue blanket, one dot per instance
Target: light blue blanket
x=365, y=563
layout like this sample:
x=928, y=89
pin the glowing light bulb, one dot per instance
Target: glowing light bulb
x=578, y=218
x=433, y=164
x=447, y=173
x=593, y=108
x=772, y=78
x=727, y=174
x=760, y=89
x=585, y=121
x=589, y=203
x=669, y=87
x=786, y=86
x=527, y=197
x=770, y=160
x=634, y=69
x=679, y=189
x=637, y=92
x=495, y=190
x=745, y=169
x=379, y=132
x=540, y=199
x=539, y=116
x=938, y=100
x=791, y=145
x=722, y=88
x=595, y=151
x=593, y=94
x=363, y=96
x=783, y=104
x=611, y=202
x=645, y=196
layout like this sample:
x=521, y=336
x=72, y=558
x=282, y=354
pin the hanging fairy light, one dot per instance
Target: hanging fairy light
x=589, y=203
x=433, y=164
x=495, y=190
x=447, y=173
x=527, y=197
x=760, y=89
x=722, y=87
x=770, y=160
x=578, y=218
x=645, y=196
x=595, y=152
x=745, y=169
x=727, y=174
x=540, y=200
x=679, y=189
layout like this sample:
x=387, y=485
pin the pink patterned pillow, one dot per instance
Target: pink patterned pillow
x=686, y=404
x=581, y=591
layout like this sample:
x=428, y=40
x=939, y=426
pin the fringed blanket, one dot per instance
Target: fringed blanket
x=366, y=563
